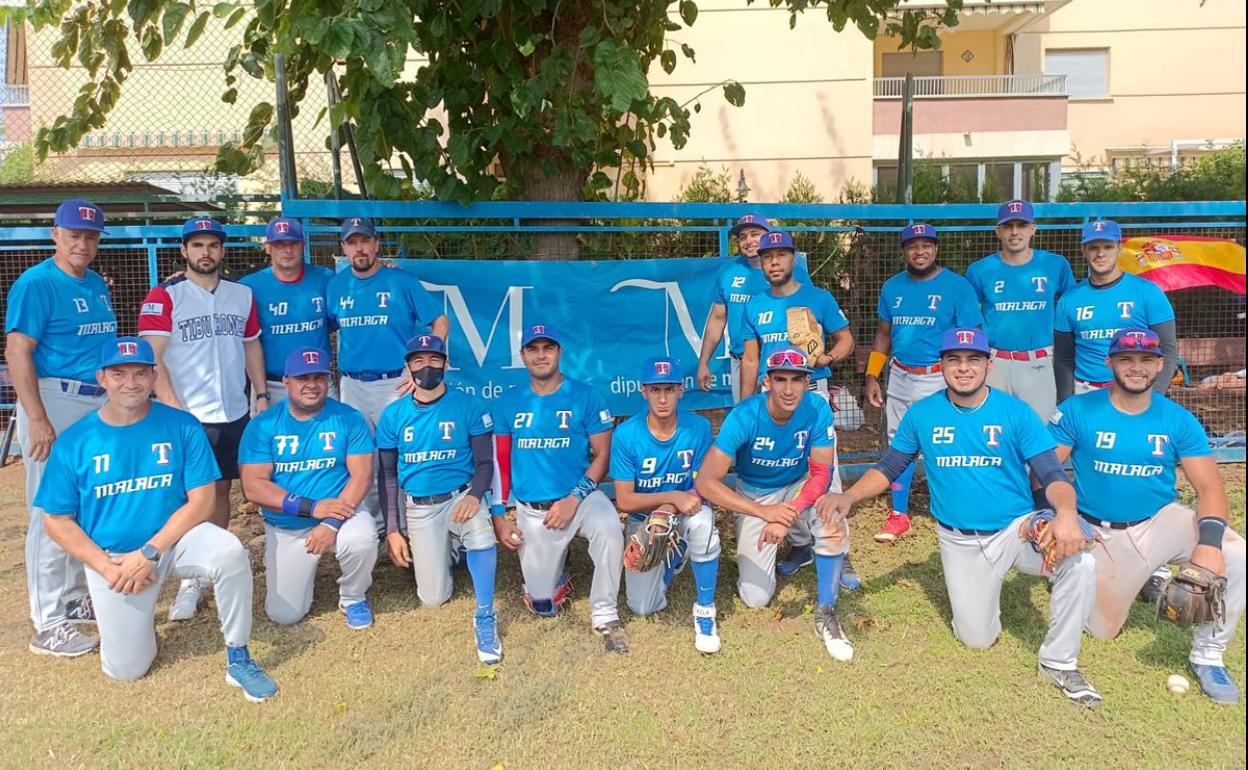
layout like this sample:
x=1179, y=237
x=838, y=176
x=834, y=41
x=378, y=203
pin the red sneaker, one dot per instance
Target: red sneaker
x=897, y=527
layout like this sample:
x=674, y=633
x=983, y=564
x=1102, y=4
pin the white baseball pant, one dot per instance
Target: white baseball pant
x=371, y=398
x=756, y=566
x=544, y=552
x=127, y=622
x=53, y=577
x=1125, y=559
x=1031, y=381
x=645, y=592
x=734, y=375
x=432, y=536
x=290, y=571
x=904, y=389
x=975, y=567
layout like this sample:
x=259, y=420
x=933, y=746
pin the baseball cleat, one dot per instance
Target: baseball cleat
x=1216, y=683
x=245, y=674
x=613, y=636
x=828, y=628
x=548, y=608
x=1073, y=685
x=63, y=641
x=80, y=610
x=359, y=615
x=189, y=599
x=705, y=630
x=799, y=557
x=897, y=527
x=1153, y=588
x=849, y=578
x=489, y=646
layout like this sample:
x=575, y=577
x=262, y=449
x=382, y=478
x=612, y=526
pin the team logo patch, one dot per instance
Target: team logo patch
x=487, y=420
x=161, y=450
x=774, y=237
x=1159, y=441
x=127, y=349
x=203, y=224
x=993, y=434
x=86, y=213
x=605, y=415
x=1014, y=207
x=539, y=329
x=282, y=228
x=1057, y=416
x=662, y=368
x=152, y=308
x=311, y=357
x=1098, y=226
x=966, y=337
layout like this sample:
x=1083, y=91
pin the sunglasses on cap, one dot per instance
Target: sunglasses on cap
x=785, y=359
x=1139, y=342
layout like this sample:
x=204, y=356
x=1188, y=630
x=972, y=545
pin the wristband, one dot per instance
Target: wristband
x=334, y=524
x=306, y=504
x=1211, y=531
x=498, y=511
x=584, y=488
x=875, y=363
x=290, y=505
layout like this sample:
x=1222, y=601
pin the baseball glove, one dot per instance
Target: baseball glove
x=650, y=545
x=1035, y=528
x=1193, y=596
x=805, y=332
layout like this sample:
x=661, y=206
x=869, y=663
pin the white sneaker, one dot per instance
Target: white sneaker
x=188, y=600
x=705, y=631
x=828, y=627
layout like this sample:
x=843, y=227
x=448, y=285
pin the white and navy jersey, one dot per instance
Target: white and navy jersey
x=655, y=465
x=770, y=455
x=122, y=484
x=921, y=310
x=308, y=457
x=434, y=441
x=292, y=315
x=1125, y=463
x=376, y=316
x=69, y=318
x=1018, y=301
x=1094, y=313
x=975, y=458
x=206, y=330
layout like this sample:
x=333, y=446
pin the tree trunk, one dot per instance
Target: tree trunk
x=563, y=183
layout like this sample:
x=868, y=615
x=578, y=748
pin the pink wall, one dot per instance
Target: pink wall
x=17, y=124
x=959, y=114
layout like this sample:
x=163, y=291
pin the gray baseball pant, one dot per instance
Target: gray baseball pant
x=290, y=571
x=645, y=592
x=1031, y=381
x=371, y=398
x=432, y=536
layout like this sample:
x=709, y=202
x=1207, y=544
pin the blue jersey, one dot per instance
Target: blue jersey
x=434, y=440
x=70, y=319
x=976, y=459
x=766, y=322
x=1018, y=301
x=550, y=437
x=735, y=284
x=660, y=466
x=1124, y=463
x=309, y=457
x=123, y=483
x=292, y=315
x=376, y=316
x=770, y=455
x=920, y=311
x=1094, y=313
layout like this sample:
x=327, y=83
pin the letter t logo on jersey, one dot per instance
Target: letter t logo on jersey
x=1040, y=281
x=686, y=457
x=1159, y=441
x=327, y=440
x=162, y=450
x=1125, y=307
x=564, y=416
x=446, y=428
x=993, y=432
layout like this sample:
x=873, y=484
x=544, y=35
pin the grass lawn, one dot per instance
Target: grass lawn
x=408, y=693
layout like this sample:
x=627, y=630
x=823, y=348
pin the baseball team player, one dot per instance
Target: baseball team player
x=437, y=464
x=128, y=491
x=1018, y=288
x=655, y=456
x=1124, y=443
x=916, y=307
x=308, y=462
x=206, y=336
x=59, y=313
x=290, y=301
x=979, y=444
x=783, y=445
x=1106, y=301
x=376, y=311
x=553, y=446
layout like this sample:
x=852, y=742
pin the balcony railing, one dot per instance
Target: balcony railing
x=926, y=87
x=14, y=96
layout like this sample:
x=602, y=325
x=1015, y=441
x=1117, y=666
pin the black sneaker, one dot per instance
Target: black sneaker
x=80, y=611
x=1152, y=590
x=1073, y=685
x=613, y=636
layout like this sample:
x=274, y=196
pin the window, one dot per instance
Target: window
x=1086, y=70
x=885, y=183
x=919, y=63
x=1036, y=181
x=998, y=182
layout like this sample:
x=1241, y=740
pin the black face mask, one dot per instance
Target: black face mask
x=429, y=377
x=921, y=273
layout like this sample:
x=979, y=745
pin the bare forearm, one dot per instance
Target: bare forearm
x=716, y=321
x=842, y=345
x=638, y=502
x=254, y=354
x=1061, y=495
x=598, y=467
x=1212, y=502
x=749, y=369
x=883, y=340
x=69, y=536
x=715, y=491
x=872, y=484
x=163, y=388
x=263, y=492
x=20, y=358
x=190, y=515
x=357, y=488
x=441, y=326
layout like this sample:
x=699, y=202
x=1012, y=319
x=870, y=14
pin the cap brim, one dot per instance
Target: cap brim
x=665, y=381
x=285, y=239
x=322, y=370
x=1006, y=220
x=967, y=350
x=799, y=369
x=531, y=340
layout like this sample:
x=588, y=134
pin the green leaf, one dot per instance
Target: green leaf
x=668, y=60
x=197, y=29
x=688, y=52
x=257, y=122
x=617, y=75
x=151, y=43
x=221, y=10
x=688, y=12
x=235, y=17
x=230, y=96
x=734, y=92
x=171, y=22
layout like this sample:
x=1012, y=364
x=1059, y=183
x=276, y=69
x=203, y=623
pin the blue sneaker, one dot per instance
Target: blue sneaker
x=849, y=578
x=1216, y=683
x=359, y=615
x=548, y=608
x=798, y=557
x=489, y=646
x=245, y=673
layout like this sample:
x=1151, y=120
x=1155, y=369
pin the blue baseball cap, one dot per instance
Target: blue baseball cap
x=776, y=239
x=973, y=339
x=303, y=361
x=663, y=370
x=79, y=214
x=540, y=332
x=194, y=227
x=1016, y=211
x=283, y=229
x=1135, y=341
x=425, y=343
x=353, y=225
x=1101, y=230
x=127, y=350
x=918, y=230
x=750, y=220
x=787, y=359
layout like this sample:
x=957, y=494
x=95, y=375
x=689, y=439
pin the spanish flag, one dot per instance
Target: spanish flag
x=1185, y=261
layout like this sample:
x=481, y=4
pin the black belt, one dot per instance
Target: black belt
x=434, y=499
x=1112, y=524
x=970, y=532
x=84, y=389
x=541, y=505
x=373, y=376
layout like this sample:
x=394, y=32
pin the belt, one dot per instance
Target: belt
x=933, y=369
x=434, y=499
x=1022, y=355
x=1111, y=524
x=971, y=532
x=1097, y=384
x=541, y=505
x=373, y=376
x=82, y=389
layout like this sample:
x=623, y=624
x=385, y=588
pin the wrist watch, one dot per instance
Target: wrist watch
x=150, y=552
x=265, y=395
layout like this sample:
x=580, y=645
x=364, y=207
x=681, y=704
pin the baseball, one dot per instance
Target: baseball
x=515, y=536
x=1177, y=684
